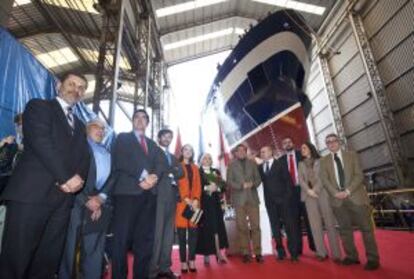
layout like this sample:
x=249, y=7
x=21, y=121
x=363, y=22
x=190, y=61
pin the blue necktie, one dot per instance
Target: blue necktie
x=168, y=157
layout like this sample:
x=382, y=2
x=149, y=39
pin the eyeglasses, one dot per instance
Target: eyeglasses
x=331, y=141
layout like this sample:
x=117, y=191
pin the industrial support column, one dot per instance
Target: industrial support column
x=378, y=92
x=330, y=91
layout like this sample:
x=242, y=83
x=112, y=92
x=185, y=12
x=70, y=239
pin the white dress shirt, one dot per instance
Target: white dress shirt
x=269, y=162
x=65, y=106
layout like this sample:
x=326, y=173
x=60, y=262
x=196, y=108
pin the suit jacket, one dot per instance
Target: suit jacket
x=304, y=179
x=168, y=186
x=186, y=192
x=129, y=161
x=284, y=161
x=277, y=184
x=52, y=155
x=236, y=176
x=354, y=179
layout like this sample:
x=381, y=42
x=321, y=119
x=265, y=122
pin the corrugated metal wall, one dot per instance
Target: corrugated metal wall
x=389, y=25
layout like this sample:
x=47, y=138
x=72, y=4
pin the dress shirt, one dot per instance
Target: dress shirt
x=103, y=165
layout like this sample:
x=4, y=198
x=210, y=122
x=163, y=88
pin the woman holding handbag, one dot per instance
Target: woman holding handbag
x=189, y=187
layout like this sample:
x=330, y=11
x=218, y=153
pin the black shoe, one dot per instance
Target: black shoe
x=280, y=257
x=337, y=260
x=349, y=261
x=168, y=274
x=321, y=258
x=259, y=259
x=247, y=259
x=294, y=258
x=194, y=270
x=184, y=270
x=372, y=265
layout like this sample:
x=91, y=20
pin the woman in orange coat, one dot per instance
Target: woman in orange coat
x=189, y=187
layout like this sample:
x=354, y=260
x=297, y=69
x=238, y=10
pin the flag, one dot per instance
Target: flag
x=224, y=154
x=178, y=144
x=201, y=149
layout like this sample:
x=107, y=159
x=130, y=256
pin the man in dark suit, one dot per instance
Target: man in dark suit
x=291, y=160
x=166, y=205
x=343, y=178
x=278, y=190
x=91, y=212
x=40, y=193
x=138, y=164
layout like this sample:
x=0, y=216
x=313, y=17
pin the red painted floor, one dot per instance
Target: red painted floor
x=396, y=252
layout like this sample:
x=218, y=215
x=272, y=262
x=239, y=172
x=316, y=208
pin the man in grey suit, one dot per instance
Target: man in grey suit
x=91, y=212
x=166, y=205
x=342, y=176
x=244, y=178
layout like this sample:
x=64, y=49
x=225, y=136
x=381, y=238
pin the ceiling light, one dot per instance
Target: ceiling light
x=204, y=37
x=186, y=6
x=83, y=6
x=295, y=5
x=21, y=2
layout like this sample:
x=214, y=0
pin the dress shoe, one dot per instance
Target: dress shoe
x=321, y=258
x=184, y=270
x=280, y=257
x=337, y=260
x=194, y=270
x=294, y=259
x=349, y=261
x=370, y=265
x=247, y=259
x=259, y=259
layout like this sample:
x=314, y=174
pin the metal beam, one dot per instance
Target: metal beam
x=199, y=55
x=5, y=11
x=378, y=92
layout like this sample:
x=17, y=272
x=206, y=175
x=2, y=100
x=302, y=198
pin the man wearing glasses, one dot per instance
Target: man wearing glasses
x=342, y=176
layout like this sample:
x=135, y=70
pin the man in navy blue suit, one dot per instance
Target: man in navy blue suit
x=138, y=165
x=291, y=160
x=41, y=191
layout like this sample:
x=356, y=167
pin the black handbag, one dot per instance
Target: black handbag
x=192, y=215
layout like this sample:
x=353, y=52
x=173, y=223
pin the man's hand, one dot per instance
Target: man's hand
x=6, y=140
x=75, y=183
x=149, y=182
x=312, y=193
x=65, y=188
x=247, y=185
x=341, y=195
x=96, y=215
x=94, y=203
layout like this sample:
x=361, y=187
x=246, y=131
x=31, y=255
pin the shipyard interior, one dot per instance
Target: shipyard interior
x=320, y=92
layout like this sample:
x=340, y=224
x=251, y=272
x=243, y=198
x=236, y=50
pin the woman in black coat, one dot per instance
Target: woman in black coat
x=212, y=236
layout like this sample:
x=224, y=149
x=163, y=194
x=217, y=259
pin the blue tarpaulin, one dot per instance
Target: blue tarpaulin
x=22, y=78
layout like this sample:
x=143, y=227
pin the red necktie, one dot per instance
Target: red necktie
x=144, y=145
x=292, y=169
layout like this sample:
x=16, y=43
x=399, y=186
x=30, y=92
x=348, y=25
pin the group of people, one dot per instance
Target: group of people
x=67, y=190
x=301, y=187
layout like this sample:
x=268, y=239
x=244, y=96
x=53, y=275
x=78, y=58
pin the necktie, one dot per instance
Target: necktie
x=341, y=174
x=167, y=154
x=144, y=144
x=292, y=169
x=69, y=116
x=267, y=167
